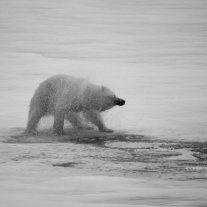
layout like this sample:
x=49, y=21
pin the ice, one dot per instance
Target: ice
x=152, y=54
x=99, y=191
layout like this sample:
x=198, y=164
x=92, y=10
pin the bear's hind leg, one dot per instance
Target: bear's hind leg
x=58, y=123
x=95, y=118
x=33, y=119
x=76, y=121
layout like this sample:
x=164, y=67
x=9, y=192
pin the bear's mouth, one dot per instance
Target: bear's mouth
x=119, y=102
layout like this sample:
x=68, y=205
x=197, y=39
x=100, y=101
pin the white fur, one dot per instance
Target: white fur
x=65, y=97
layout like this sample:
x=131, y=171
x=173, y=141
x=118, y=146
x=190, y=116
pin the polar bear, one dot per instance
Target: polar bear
x=65, y=97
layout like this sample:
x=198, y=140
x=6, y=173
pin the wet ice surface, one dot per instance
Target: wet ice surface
x=116, y=154
x=151, y=53
x=97, y=169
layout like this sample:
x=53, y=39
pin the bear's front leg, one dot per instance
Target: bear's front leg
x=58, y=122
x=95, y=118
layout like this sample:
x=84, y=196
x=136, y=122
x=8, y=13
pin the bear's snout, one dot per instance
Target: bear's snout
x=119, y=102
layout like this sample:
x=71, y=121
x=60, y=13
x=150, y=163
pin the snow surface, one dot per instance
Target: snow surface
x=151, y=53
x=99, y=191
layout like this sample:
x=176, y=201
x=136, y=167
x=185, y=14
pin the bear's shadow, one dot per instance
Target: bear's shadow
x=71, y=135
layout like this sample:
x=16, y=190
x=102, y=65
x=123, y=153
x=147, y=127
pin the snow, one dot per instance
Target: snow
x=99, y=191
x=152, y=54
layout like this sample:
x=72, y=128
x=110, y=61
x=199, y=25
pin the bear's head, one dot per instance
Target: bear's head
x=102, y=98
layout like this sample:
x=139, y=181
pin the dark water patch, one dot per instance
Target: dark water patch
x=198, y=178
x=65, y=164
x=145, y=156
x=201, y=157
x=190, y=163
x=102, y=139
x=201, y=150
x=182, y=144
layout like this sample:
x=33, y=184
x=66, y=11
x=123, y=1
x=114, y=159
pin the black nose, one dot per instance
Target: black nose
x=119, y=102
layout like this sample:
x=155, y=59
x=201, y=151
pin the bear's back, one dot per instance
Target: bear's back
x=57, y=88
